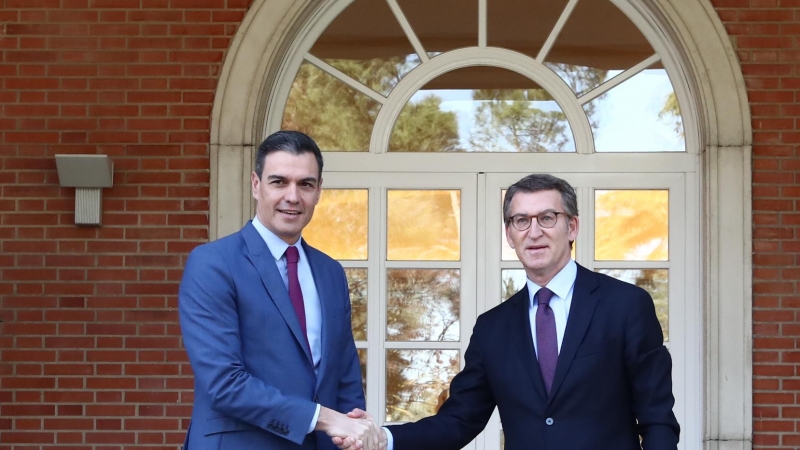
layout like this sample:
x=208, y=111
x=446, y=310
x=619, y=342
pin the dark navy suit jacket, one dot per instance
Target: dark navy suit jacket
x=612, y=382
x=255, y=385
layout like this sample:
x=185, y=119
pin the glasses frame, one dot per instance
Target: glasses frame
x=511, y=220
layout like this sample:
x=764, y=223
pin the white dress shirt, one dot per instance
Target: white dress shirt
x=278, y=247
x=562, y=285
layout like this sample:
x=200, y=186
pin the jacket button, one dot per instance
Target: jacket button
x=549, y=421
x=316, y=399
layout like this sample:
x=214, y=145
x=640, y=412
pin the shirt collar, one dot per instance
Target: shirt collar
x=560, y=284
x=276, y=245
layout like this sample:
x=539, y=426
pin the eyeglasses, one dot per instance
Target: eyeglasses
x=547, y=219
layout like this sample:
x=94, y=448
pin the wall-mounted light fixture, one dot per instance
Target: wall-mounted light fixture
x=88, y=174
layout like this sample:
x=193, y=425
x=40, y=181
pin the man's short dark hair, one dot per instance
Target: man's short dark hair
x=542, y=182
x=290, y=141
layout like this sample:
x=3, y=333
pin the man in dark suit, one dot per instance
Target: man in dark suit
x=266, y=321
x=573, y=361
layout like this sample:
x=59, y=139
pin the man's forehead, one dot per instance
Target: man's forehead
x=541, y=200
x=284, y=164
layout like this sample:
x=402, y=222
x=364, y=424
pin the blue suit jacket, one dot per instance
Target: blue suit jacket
x=612, y=381
x=254, y=383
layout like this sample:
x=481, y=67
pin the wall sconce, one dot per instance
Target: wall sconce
x=87, y=174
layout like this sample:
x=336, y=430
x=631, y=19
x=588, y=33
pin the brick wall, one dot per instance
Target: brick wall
x=89, y=349
x=766, y=36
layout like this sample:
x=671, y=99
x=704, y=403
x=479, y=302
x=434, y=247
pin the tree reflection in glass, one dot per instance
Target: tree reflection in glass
x=512, y=281
x=655, y=282
x=357, y=281
x=639, y=115
x=510, y=113
x=415, y=380
x=423, y=305
x=362, y=359
x=338, y=117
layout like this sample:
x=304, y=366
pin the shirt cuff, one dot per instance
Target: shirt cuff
x=389, y=439
x=314, y=420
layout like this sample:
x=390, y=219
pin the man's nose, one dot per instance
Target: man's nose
x=290, y=194
x=535, y=229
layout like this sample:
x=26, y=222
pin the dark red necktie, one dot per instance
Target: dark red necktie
x=546, y=337
x=295, y=293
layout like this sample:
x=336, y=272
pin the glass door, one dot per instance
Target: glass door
x=632, y=227
x=407, y=242
x=425, y=253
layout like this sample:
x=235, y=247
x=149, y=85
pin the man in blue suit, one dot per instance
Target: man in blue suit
x=575, y=360
x=266, y=321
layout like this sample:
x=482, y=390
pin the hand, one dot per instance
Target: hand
x=349, y=433
x=379, y=433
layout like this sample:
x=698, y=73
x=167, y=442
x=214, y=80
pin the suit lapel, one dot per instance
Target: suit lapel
x=259, y=255
x=322, y=282
x=581, y=311
x=524, y=342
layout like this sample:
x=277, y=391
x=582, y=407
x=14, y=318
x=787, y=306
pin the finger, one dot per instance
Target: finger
x=356, y=413
x=344, y=444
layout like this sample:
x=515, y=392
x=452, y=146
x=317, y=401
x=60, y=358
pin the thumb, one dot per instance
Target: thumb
x=357, y=413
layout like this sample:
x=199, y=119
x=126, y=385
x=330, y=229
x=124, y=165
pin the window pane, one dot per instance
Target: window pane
x=482, y=109
x=512, y=281
x=654, y=281
x=639, y=115
x=416, y=380
x=631, y=225
x=338, y=117
x=340, y=224
x=362, y=359
x=357, y=281
x=374, y=52
x=423, y=304
x=424, y=225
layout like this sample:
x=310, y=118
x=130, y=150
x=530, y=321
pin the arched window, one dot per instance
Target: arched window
x=413, y=87
x=427, y=111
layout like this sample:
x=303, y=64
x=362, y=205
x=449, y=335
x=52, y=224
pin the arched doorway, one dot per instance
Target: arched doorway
x=301, y=45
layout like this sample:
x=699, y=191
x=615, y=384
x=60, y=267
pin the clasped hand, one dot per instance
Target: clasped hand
x=354, y=431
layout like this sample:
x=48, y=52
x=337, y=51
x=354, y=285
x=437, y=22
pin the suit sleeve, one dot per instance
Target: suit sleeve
x=210, y=326
x=649, y=369
x=465, y=413
x=351, y=391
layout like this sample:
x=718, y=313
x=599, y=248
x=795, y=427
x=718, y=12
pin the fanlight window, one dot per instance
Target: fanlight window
x=615, y=76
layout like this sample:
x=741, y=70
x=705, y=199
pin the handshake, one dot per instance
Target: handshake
x=354, y=431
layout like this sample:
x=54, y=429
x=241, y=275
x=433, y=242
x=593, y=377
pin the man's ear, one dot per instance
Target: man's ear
x=574, y=225
x=508, y=238
x=254, y=182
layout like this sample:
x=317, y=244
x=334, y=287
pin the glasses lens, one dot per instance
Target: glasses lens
x=521, y=223
x=547, y=220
